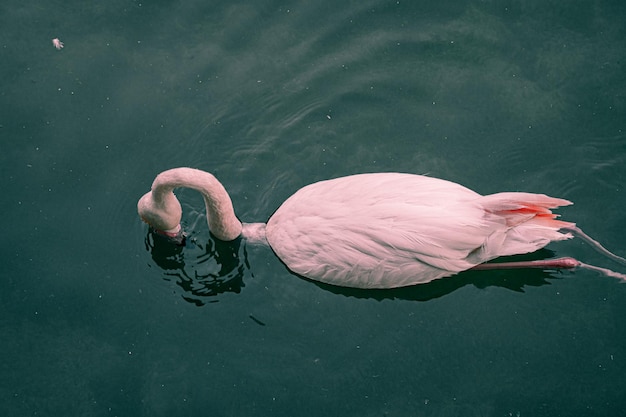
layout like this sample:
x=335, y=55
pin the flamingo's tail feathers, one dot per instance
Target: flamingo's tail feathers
x=528, y=223
x=518, y=208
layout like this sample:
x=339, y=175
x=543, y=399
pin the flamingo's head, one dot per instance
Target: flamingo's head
x=162, y=212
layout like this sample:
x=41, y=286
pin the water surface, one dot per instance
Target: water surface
x=271, y=96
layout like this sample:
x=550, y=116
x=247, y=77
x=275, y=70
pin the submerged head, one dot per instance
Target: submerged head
x=163, y=214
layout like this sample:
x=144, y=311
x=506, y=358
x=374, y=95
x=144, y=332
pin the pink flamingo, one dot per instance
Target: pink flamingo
x=382, y=230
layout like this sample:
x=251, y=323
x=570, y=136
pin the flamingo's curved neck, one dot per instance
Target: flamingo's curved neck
x=220, y=213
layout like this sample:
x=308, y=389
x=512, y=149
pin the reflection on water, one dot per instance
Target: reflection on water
x=201, y=270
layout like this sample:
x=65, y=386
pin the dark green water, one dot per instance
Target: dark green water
x=271, y=96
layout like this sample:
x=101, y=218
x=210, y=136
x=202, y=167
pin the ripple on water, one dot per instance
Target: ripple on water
x=202, y=268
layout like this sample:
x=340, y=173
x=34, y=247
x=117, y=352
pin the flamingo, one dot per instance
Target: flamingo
x=379, y=230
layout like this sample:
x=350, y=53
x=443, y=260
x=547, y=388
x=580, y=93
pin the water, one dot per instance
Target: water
x=271, y=96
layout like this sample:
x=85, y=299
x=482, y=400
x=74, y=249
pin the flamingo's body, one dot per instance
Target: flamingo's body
x=379, y=230
x=390, y=230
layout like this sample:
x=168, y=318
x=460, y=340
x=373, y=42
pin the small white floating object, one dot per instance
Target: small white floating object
x=57, y=43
